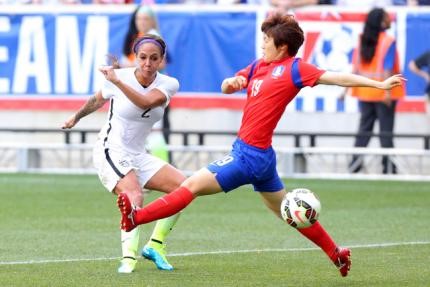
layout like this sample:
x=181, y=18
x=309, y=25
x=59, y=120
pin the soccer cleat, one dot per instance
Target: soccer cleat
x=157, y=256
x=127, y=212
x=342, y=259
x=128, y=265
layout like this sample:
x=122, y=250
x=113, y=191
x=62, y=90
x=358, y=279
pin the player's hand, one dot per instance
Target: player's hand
x=70, y=123
x=393, y=81
x=109, y=73
x=237, y=83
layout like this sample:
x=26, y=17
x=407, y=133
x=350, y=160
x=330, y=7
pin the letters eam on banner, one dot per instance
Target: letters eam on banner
x=49, y=55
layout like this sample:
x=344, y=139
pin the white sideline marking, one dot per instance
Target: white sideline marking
x=376, y=245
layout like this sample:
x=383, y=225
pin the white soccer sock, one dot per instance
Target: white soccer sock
x=130, y=243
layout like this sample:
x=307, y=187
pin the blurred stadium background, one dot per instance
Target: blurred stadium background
x=49, y=57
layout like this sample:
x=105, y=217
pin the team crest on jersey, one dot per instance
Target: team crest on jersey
x=278, y=71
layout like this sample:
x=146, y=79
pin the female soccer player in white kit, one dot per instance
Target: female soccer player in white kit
x=138, y=97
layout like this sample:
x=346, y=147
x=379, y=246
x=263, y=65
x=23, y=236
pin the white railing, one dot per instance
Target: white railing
x=301, y=162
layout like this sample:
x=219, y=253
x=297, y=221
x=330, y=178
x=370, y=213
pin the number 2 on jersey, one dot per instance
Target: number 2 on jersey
x=145, y=113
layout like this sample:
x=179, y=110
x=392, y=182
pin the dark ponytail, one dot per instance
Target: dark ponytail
x=369, y=38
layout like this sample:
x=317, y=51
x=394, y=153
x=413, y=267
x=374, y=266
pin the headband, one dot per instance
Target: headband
x=147, y=40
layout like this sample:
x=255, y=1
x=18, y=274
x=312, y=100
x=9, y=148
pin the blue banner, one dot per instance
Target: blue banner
x=205, y=48
x=417, y=30
x=58, y=54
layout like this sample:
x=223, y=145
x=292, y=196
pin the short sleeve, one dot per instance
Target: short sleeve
x=245, y=72
x=169, y=87
x=305, y=74
x=108, y=89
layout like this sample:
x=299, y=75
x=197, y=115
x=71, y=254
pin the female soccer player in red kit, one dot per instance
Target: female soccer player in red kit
x=271, y=83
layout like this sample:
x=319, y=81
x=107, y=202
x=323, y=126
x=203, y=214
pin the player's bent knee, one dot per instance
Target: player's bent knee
x=202, y=183
x=191, y=185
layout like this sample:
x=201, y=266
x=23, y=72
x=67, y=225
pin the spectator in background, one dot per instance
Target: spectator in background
x=418, y=2
x=419, y=67
x=376, y=57
x=143, y=21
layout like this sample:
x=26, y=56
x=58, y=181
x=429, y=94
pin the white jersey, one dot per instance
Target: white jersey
x=128, y=126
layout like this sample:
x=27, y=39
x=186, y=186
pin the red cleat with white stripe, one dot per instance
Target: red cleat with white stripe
x=127, y=212
x=342, y=259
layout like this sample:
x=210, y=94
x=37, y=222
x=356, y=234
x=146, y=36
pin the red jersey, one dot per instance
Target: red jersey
x=271, y=87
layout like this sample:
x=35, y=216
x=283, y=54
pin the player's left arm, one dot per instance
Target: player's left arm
x=353, y=80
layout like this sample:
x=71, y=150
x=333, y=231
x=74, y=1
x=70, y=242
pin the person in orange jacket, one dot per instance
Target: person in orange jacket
x=376, y=57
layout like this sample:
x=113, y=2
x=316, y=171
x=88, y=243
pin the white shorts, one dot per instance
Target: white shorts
x=112, y=165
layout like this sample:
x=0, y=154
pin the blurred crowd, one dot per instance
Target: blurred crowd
x=281, y=4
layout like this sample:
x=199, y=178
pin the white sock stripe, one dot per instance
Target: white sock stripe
x=374, y=245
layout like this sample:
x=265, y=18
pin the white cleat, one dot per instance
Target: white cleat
x=127, y=265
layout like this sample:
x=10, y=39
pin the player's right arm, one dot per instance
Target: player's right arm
x=93, y=104
x=233, y=84
x=239, y=81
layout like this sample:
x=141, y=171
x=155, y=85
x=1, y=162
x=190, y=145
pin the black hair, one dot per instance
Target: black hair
x=369, y=38
x=131, y=34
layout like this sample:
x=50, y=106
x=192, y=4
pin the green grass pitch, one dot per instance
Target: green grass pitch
x=59, y=230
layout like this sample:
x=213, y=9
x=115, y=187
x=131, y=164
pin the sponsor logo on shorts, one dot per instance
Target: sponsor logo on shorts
x=124, y=163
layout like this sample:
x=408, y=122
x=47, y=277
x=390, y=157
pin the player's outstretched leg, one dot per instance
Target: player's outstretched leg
x=160, y=208
x=127, y=212
x=341, y=257
x=155, y=249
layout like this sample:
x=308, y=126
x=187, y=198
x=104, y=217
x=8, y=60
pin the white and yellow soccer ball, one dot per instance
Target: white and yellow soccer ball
x=300, y=208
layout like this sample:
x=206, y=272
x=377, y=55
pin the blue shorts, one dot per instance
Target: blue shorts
x=247, y=165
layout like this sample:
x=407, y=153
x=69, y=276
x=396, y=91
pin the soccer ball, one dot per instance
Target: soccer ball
x=300, y=208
